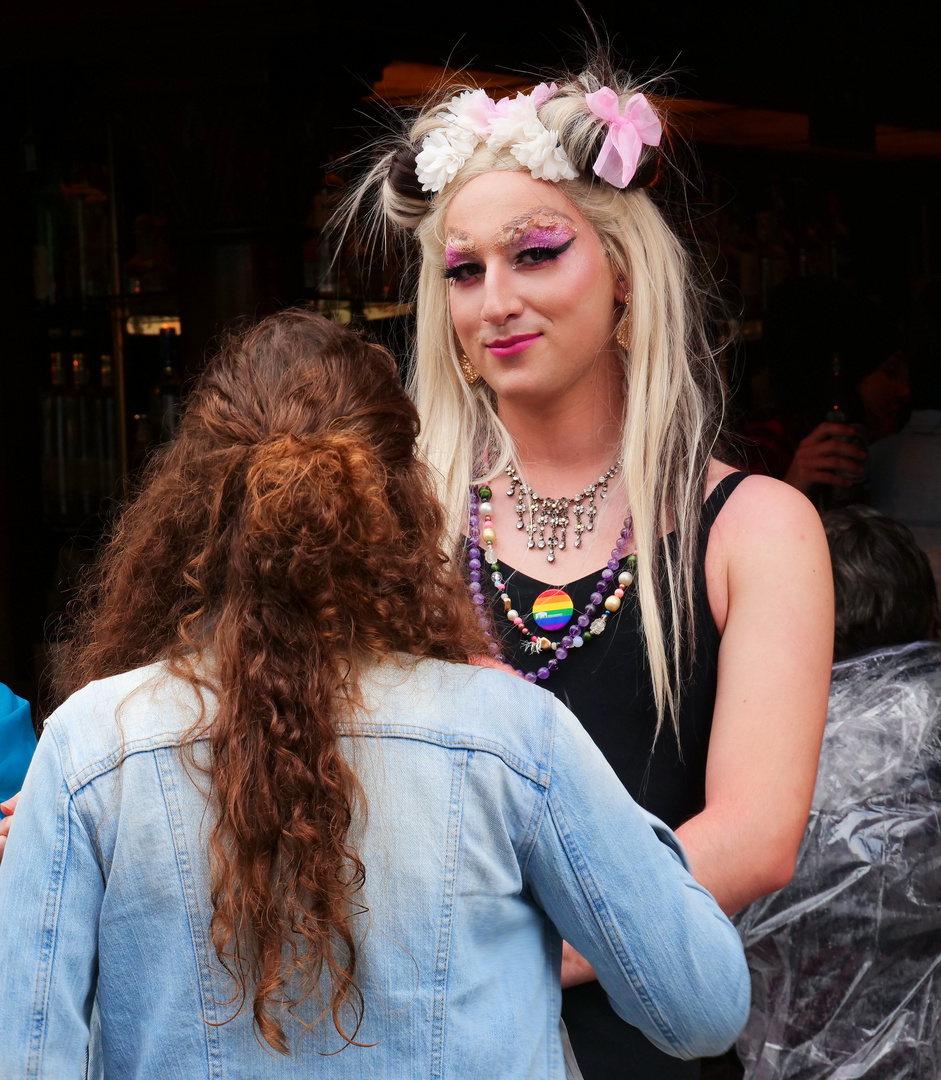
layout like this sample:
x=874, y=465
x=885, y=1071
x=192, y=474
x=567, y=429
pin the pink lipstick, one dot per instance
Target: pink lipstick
x=512, y=345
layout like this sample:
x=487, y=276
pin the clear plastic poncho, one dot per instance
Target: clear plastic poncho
x=846, y=959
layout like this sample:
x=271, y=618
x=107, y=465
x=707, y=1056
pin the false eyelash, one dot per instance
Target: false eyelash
x=546, y=253
x=454, y=272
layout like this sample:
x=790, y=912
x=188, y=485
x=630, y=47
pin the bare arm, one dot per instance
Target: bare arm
x=771, y=591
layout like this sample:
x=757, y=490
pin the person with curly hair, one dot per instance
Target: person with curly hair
x=279, y=825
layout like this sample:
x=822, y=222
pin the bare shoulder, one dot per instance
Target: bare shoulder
x=757, y=496
x=767, y=535
x=766, y=511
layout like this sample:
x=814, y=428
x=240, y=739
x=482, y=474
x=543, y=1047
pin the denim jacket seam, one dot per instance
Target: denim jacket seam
x=50, y=920
x=538, y=815
x=166, y=778
x=439, y=1003
x=598, y=909
x=99, y=766
x=92, y=770
x=453, y=741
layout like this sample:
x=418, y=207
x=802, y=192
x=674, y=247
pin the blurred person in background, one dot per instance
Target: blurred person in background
x=905, y=469
x=845, y=960
x=831, y=381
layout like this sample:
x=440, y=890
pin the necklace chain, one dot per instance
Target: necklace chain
x=548, y=516
x=583, y=628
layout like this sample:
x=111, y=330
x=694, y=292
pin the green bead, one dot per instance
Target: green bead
x=631, y=562
x=485, y=492
x=586, y=636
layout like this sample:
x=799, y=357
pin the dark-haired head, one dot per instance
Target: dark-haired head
x=287, y=536
x=884, y=588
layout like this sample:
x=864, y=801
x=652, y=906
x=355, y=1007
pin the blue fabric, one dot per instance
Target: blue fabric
x=494, y=825
x=17, y=742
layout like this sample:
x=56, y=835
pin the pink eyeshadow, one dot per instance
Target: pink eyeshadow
x=454, y=257
x=543, y=237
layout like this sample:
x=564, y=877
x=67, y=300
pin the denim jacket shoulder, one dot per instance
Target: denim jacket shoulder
x=493, y=827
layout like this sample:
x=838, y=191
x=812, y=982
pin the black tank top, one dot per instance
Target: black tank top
x=606, y=684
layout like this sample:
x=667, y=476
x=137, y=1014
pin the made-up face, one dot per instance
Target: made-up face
x=533, y=295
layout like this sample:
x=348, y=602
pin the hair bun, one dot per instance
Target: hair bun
x=403, y=201
x=403, y=176
x=328, y=490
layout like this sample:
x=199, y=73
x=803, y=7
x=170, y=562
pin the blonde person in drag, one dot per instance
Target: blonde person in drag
x=279, y=827
x=571, y=410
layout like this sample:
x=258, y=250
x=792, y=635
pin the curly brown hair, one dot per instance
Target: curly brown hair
x=287, y=535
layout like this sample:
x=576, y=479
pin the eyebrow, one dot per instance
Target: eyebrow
x=458, y=242
x=462, y=242
x=517, y=226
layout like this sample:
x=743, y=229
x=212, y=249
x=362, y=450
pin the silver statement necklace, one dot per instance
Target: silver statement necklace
x=548, y=520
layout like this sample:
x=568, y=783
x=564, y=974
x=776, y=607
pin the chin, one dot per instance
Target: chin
x=530, y=392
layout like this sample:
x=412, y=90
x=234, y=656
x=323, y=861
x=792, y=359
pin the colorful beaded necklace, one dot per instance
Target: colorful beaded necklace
x=553, y=608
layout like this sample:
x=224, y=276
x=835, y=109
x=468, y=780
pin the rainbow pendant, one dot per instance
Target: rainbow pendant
x=552, y=609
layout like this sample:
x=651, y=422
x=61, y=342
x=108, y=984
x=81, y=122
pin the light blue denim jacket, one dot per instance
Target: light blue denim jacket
x=494, y=828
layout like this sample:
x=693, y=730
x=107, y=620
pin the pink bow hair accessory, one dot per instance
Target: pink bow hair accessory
x=627, y=134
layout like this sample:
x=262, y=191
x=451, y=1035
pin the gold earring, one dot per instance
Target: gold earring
x=470, y=373
x=623, y=334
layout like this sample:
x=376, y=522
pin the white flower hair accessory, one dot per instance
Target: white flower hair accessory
x=533, y=145
x=443, y=153
x=472, y=117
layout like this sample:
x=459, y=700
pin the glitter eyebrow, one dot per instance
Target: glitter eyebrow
x=457, y=247
x=539, y=226
x=540, y=217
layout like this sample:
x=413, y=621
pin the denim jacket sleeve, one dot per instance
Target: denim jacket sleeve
x=51, y=891
x=669, y=960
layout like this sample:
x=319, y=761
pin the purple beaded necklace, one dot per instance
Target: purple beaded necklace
x=583, y=628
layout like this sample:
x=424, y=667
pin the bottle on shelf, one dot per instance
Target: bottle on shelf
x=106, y=431
x=90, y=228
x=829, y=495
x=165, y=396
x=54, y=442
x=319, y=251
x=742, y=258
x=837, y=235
x=812, y=254
x=51, y=232
x=772, y=254
x=82, y=464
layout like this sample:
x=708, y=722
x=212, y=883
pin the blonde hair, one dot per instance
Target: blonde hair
x=673, y=400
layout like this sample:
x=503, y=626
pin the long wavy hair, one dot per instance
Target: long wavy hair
x=674, y=399
x=287, y=536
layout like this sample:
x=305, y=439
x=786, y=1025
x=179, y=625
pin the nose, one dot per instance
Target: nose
x=501, y=295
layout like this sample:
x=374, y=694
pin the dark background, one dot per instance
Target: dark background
x=225, y=118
